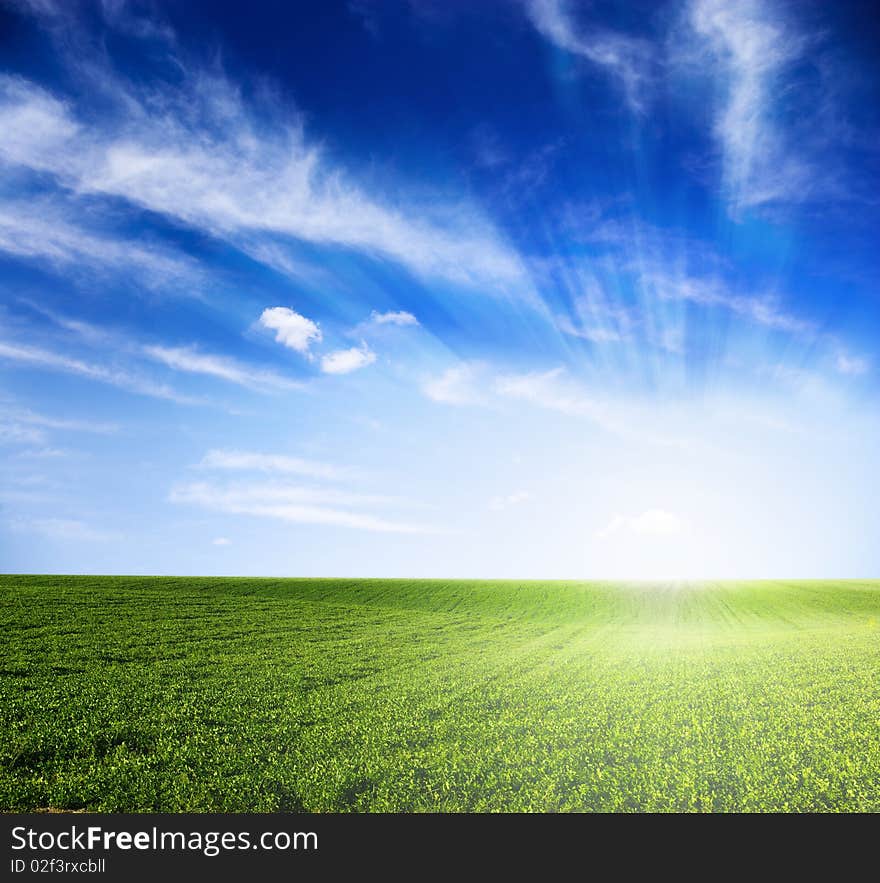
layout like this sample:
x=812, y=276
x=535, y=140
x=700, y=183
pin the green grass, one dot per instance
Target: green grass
x=139, y=694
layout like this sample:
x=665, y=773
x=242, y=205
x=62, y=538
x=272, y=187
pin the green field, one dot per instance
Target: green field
x=138, y=694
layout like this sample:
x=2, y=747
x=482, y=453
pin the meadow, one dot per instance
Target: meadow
x=182, y=694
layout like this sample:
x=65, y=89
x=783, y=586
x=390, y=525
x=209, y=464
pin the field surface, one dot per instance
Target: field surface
x=138, y=694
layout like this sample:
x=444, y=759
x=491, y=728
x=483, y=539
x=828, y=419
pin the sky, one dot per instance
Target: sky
x=411, y=288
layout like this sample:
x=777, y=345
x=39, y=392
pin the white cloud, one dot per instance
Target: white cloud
x=597, y=333
x=36, y=125
x=626, y=58
x=294, y=504
x=853, y=366
x=46, y=359
x=497, y=504
x=65, y=530
x=455, y=386
x=766, y=310
x=346, y=361
x=51, y=231
x=653, y=522
x=191, y=360
x=198, y=153
x=15, y=434
x=26, y=427
x=399, y=317
x=291, y=329
x=43, y=420
x=276, y=463
x=552, y=390
x=752, y=49
x=221, y=541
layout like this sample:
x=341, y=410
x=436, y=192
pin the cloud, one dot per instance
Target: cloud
x=221, y=541
x=291, y=329
x=197, y=152
x=36, y=125
x=293, y=504
x=12, y=433
x=765, y=310
x=626, y=59
x=346, y=361
x=552, y=390
x=65, y=530
x=21, y=427
x=651, y=523
x=43, y=420
x=752, y=49
x=853, y=366
x=189, y=359
x=598, y=333
x=455, y=386
x=275, y=463
x=497, y=504
x=400, y=317
x=51, y=232
x=50, y=360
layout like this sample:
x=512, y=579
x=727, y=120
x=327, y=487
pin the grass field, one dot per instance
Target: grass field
x=136, y=694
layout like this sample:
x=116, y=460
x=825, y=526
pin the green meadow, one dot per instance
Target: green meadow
x=183, y=694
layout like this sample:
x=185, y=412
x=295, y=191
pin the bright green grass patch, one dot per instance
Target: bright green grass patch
x=143, y=693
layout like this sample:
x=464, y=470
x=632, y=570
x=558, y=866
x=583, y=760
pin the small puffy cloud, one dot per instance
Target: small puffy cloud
x=346, y=361
x=455, y=386
x=399, y=317
x=853, y=366
x=651, y=523
x=221, y=541
x=291, y=329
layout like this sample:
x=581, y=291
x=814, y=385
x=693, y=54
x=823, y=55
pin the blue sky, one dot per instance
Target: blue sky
x=520, y=288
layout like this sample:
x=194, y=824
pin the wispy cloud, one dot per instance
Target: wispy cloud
x=25, y=427
x=457, y=385
x=13, y=433
x=651, y=523
x=346, y=361
x=50, y=231
x=853, y=366
x=191, y=360
x=553, y=390
x=62, y=423
x=598, y=321
x=397, y=317
x=627, y=59
x=65, y=530
x=293, y=504
x=254, y=461
x=187, y=359
x=753, y=49
x=500, y=503
x=53, y=361
x=765, y=310
x=198, y=153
